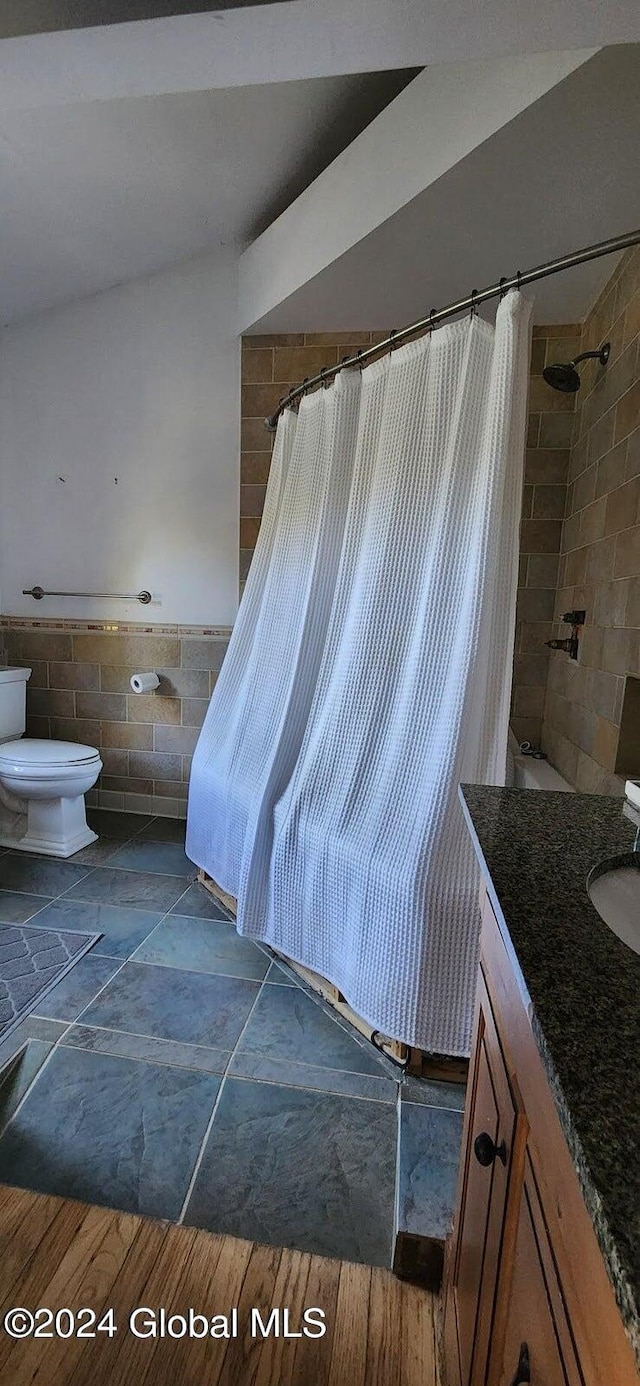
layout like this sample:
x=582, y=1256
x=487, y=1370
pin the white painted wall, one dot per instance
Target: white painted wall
x=141, y=383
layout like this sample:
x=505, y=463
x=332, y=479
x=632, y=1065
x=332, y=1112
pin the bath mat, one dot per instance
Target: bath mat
x=32, y=961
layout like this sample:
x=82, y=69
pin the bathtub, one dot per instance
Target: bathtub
x=523, y=772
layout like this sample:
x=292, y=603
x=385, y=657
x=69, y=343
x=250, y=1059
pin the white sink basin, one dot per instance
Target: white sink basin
x=614, y=890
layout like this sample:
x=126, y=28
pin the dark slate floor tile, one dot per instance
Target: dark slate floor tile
x=289, y=1024
x=110, y=1131
x=32, y=1027
x=78, y=988
x=190, y=1007
x=294, y=1075
x=434, y=1094
x=140, y=890
x=122, y=826
x=122, y=928
x=16, y=908
x=299, y=1169
x=97, y=853
x=278, y=977
x=164, y=830
x=430, y=1141
x=165, y=857
x=18, y=1081
x=38, y=875
x=203, y=945
x=156, y=1051
x=198, y=904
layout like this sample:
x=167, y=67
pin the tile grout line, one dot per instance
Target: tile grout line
x=200, y=1155
x=241, y=1077
x=69, y=1024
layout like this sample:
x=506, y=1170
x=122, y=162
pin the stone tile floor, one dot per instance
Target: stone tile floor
x=178, y=1071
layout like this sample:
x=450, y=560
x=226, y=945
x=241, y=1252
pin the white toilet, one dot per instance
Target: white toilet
x=42, y=783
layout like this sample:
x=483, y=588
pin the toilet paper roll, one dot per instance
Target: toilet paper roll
x=144, y=683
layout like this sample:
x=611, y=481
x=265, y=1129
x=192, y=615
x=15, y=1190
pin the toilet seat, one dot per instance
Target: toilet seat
x=30, y=757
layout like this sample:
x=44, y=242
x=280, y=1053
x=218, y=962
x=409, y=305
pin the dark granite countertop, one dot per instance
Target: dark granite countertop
x=536, y=849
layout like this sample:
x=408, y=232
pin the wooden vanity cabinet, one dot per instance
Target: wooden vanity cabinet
x=526, y=1295
x=537, y=1337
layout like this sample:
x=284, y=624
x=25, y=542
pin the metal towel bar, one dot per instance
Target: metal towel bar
x=39, y=593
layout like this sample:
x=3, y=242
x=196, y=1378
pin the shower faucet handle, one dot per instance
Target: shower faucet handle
x=570, y=645
x=574, y=618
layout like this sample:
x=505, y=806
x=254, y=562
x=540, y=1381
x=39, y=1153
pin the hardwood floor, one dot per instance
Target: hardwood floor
x=59, y=1254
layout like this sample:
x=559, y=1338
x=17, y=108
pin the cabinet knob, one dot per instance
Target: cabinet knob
x=486, y=1150
x=523, y=1369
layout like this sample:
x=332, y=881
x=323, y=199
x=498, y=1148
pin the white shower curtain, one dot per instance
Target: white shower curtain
x=363, y=869
x=255, y=722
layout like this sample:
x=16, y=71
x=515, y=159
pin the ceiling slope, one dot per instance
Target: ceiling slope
x=93, y=195
x=561, y=175
x=436, y=123
x=294, y=40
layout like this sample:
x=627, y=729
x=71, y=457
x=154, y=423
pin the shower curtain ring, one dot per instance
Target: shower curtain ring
x=393, y=333
x=431, y=318
x=501, y=287
x=474, y=306
x=518, y=278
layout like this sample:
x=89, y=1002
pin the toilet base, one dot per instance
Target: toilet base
x=54, y=828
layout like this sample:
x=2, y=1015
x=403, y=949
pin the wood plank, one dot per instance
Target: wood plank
x=384, y=1350
x=419, y=1345
x=23, y=1224
x=84, y=1279
x=100, y=1258
x=277, y=1357
x=312, y=1362
x=349, y=1355
x=45, y=1252
x=215, y=1282
x=242, y=1357
x=96, y=1361
x=141, y=1358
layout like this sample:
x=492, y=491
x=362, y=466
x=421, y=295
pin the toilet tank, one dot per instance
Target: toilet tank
x=13, y=703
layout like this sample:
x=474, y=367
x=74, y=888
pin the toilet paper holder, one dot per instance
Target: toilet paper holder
x=144, y=683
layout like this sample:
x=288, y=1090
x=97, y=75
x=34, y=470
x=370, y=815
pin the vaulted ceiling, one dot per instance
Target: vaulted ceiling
x=128, y=146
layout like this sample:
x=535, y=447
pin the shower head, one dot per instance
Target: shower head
x=564, y=376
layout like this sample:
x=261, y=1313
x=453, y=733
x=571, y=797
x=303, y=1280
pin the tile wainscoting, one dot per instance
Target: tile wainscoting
x=79, y=690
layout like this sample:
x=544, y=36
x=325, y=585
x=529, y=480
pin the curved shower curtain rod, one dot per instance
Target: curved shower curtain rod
x=577, y=257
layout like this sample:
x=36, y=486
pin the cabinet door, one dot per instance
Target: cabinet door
x=537, y=1346
x=491, y=1133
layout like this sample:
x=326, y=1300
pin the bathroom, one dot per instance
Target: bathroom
x=156, y=309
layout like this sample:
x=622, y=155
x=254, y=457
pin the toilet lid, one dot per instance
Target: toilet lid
x=32, y=752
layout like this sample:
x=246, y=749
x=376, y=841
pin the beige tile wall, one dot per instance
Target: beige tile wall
x=271, y=365
x=549, y=432
x=79, y=691
x=600, y=546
